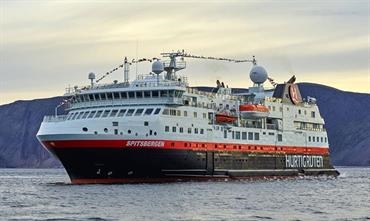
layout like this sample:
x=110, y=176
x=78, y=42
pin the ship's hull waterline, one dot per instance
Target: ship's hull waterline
x=105, y=164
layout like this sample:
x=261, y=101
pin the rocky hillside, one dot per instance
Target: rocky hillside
x=346, y=114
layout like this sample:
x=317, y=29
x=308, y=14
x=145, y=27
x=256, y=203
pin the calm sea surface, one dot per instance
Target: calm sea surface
x=35, y=194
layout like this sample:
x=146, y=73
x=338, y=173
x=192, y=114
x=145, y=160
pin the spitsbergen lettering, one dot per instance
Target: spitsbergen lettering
x=146, y=143
x=303, y=161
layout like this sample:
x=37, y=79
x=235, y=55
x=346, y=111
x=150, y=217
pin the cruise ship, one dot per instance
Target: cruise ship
x=157, y=128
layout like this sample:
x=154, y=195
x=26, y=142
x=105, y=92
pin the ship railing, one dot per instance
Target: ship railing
x=136, y=84
x=54, y=118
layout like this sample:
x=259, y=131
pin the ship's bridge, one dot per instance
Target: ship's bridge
x=145, y=90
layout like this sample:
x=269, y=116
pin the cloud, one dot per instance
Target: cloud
x=52, y=44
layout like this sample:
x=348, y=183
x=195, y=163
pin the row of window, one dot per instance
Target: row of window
x=112, y=113
x=127, y=95
x=181, y=130
x=317, y=139
x=273, y=108
x=174, y=112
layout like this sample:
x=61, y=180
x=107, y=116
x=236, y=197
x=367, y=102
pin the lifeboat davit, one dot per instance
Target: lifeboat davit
x=253, y=111
x=225, y=118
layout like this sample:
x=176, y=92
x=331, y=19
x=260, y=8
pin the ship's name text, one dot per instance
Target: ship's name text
x=303, y=161
x=145, y=143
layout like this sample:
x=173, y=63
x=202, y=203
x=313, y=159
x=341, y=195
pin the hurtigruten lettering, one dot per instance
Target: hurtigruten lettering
x=310, y=161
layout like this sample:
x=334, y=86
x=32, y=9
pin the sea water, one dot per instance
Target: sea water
x=46, y=194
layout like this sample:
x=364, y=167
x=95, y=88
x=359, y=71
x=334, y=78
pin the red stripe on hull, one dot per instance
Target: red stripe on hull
x=182, y=145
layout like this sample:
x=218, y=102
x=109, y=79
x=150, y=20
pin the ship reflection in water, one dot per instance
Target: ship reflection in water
x=32, y=194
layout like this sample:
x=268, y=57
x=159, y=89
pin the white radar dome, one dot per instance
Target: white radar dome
x=157, y=67
x=258, y=74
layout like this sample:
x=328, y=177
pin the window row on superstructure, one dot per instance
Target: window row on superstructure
x=300, y=112
x=189, y=130
x=103, y=96
x=179, y=113
x=113, y=113
x=317, y=139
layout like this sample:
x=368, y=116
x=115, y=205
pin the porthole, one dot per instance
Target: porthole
x=155, y=133
x=106, y=130
x=84, y=129
x=129, y=131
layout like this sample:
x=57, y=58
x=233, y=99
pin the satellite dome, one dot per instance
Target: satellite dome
x=91, y=76
x=258, y=74
x=157, y=67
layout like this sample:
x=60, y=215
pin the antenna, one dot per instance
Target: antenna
x=126, y=70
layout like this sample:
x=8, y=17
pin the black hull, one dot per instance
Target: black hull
x=104, y=165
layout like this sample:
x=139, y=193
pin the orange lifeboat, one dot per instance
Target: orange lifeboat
x=225, y=118
x=253, y=110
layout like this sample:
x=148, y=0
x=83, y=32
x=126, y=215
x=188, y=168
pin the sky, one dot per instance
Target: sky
x=46, y=46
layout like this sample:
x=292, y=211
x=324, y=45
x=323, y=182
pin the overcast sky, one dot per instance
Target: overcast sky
x=47, y=45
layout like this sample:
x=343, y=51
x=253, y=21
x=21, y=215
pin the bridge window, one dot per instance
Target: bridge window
x=116, y=95
x=80, y=115
x=113, y=113
x=157, y=111
x=121, y=112
x=171, y=93
x=91, y=97
x=148, y=111
x=85, y=115
x=174, y=129
x=322, y=139
x=139, y=112
x=166, y=128
x=103, y=96
x=139, y=94
x=189, y=130
x=131, y=94
x=313, y=139
x=309, y=138
x=181, y=130
x=201, y=131
x=98, y=114
x=130, y=112
x=155, y=94
x=106, y=112
x=326, y=140
x=109, y=96
x=123, y=95
x=164, y=93
x=196, y=130
x=147, y=94
x=96, y=96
